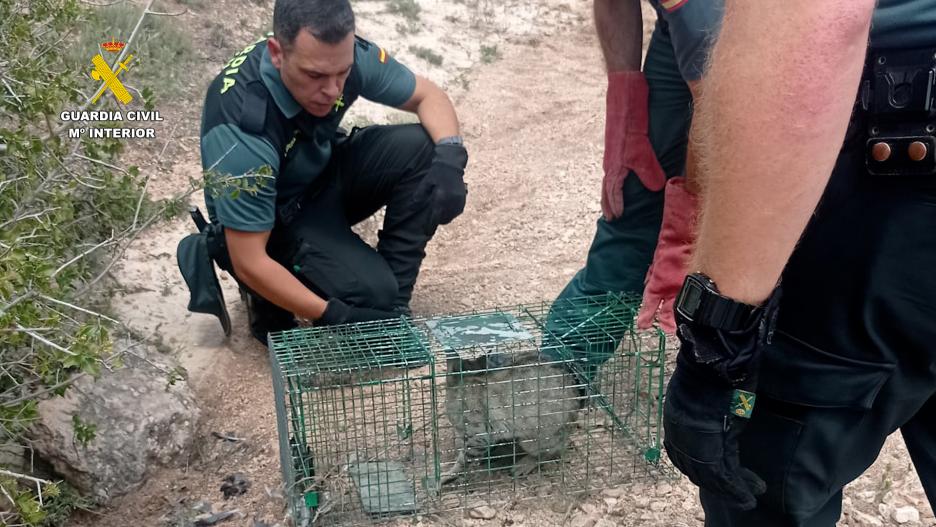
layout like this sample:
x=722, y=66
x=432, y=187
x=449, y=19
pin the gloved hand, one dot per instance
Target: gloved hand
x=443, y=188
x=671, y=258
x=708, y=402
x=337, y=312
x=627, y=146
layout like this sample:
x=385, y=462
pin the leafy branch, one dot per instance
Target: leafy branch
x=69, y=208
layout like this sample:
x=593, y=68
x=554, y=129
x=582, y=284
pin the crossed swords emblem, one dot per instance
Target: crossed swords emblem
x=102, y=72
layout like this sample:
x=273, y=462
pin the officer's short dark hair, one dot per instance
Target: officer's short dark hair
x=328, y=20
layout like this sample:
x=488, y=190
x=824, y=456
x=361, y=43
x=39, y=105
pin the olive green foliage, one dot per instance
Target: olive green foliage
x=67, y=209
x=408, y=9
x=427, y=55
x=218, y=184
x=489, y=54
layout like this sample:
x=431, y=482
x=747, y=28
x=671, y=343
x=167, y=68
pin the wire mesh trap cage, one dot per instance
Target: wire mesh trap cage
x=426, y=415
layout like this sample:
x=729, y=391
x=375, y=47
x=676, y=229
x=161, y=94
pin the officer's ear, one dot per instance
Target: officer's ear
x=276, y=52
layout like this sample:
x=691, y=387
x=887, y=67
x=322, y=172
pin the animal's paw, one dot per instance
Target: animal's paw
x=449, y=476
x=452, y=474
x=524, y=466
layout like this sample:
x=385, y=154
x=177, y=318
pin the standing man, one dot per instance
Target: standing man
x=285, y=185
x=778, y=401
x=646, y=144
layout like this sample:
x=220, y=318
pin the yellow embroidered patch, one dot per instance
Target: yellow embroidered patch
x=672, y=5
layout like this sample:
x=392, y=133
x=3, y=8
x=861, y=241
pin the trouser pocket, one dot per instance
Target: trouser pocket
x=810, y=431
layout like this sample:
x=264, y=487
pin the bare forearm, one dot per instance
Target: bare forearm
x=620, y=30
x=692, y=164
x=275, y=283
x=777, y=101
x=437, y=114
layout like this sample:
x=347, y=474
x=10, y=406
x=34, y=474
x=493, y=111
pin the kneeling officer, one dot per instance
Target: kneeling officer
x=285, y=184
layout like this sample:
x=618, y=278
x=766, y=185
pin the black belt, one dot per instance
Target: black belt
x=897, y=100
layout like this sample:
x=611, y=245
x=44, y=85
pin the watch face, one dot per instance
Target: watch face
x=689, y=298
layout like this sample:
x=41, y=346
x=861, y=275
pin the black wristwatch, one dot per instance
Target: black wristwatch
x=699, y=303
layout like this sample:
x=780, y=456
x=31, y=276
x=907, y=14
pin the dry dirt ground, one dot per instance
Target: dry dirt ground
x=532, y=113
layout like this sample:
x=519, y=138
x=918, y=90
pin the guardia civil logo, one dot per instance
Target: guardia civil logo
x=109, y=77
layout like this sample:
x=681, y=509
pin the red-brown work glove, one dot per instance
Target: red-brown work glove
x=671, y=258
x=627, y=146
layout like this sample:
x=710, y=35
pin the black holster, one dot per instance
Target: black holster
x=195, y=255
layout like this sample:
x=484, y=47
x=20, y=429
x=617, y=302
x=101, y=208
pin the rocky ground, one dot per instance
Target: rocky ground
x=527, y=80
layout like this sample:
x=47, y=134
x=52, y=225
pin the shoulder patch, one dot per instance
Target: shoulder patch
x=672, y=5
x=254, y=109
x=366, y=45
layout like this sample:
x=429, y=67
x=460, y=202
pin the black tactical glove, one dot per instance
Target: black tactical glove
x=337, y=312
x=443, y=188
x=709, y=400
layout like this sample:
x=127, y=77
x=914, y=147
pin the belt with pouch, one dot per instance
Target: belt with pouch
x=897, y=103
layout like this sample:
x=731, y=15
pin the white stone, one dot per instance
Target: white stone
x=867, y=495
x=906, y=514
x=583, y=520
x=615, y=492
x=588, y=508
x=483, y=512
x=658, y=506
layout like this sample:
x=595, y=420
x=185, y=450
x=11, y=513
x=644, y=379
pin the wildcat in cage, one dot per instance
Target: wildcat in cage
x=523, y=401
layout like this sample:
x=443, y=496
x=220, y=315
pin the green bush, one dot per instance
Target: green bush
x=67, y=209
x=489, y=54
x=408, y=9
x=427, y=55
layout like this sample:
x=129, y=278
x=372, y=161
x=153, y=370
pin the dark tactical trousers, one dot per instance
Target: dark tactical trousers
x=373, y=167
x=854, y=357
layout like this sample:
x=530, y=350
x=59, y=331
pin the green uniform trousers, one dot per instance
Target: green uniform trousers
x=622, y=250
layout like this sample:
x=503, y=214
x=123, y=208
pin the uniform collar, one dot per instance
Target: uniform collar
x=272, y=80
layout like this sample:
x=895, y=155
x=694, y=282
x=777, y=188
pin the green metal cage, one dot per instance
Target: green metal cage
x=426, y=415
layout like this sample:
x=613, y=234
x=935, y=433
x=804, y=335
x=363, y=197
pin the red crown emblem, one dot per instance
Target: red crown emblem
x=113, y=46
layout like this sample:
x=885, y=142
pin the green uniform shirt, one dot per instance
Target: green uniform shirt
x=250, y=123
x=904, y=24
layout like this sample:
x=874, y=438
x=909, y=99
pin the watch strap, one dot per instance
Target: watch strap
x=720, y=312
x=451, y=140
x=701, y=303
